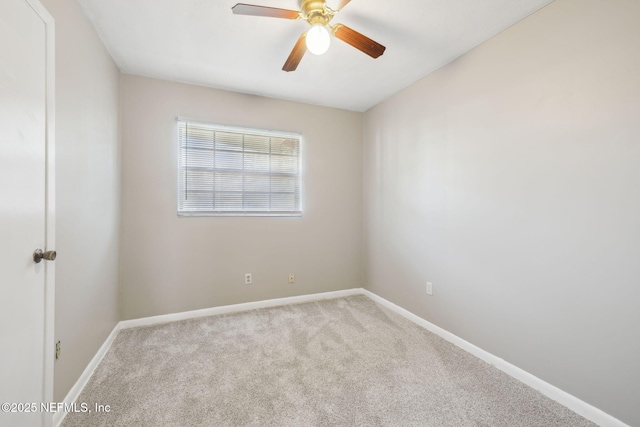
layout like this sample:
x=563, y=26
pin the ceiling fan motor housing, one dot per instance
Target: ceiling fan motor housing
x=314, y=12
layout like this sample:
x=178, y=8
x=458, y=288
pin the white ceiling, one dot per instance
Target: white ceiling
x=202, y=42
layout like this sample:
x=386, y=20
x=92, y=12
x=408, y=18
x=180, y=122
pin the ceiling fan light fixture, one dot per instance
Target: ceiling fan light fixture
x=318, y=39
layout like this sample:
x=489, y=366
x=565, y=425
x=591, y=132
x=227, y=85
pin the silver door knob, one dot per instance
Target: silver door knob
x=38, y=255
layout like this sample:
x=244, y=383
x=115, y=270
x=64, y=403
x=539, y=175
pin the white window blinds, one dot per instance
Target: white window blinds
x=237, y=171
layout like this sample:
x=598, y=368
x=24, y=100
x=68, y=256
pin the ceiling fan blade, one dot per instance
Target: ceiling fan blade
x=357, y=40
x=343, y=3
x=250, y=9
x=296, y=54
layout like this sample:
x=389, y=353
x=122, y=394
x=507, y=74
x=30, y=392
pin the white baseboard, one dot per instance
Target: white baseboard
x=588, y=411
x=206, y=312
x=75, y=391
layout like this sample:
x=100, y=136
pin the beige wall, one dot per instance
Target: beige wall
x=511, y=180
x=171, y=264
x=87, y=192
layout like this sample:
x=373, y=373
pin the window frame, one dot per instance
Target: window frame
x=244, y=130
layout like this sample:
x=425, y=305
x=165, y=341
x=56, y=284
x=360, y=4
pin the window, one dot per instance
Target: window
x=232, y=171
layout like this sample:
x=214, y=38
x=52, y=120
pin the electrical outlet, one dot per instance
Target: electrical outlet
x=292, y=277
x=429, y=288
x=58, y=346
x=248, y=279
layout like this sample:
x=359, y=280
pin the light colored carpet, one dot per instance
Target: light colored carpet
x=346, y=362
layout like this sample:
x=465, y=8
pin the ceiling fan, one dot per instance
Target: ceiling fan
x=318, y=37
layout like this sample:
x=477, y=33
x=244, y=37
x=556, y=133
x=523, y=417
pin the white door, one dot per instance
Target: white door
x=26, y=210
